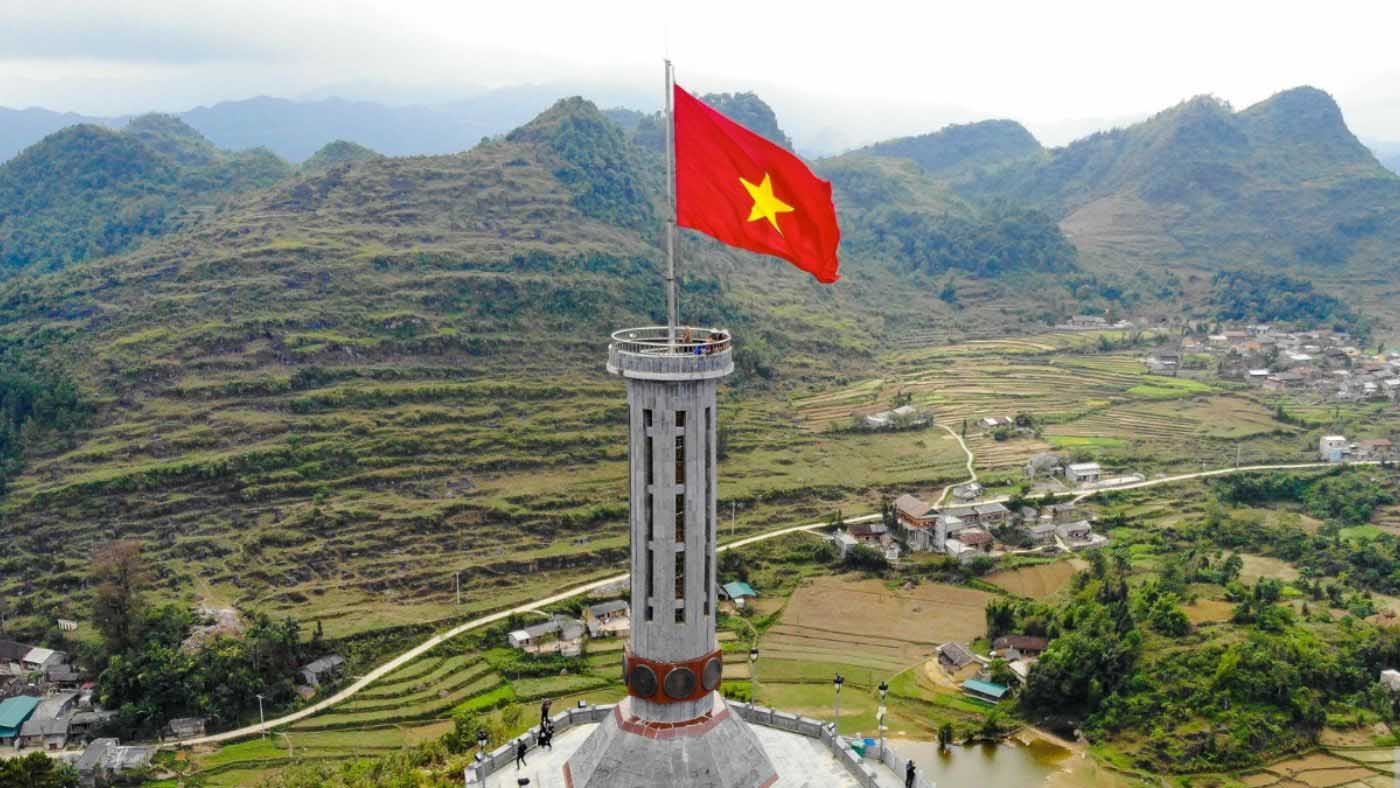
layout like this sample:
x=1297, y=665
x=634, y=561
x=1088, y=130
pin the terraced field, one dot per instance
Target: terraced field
x=831, y=622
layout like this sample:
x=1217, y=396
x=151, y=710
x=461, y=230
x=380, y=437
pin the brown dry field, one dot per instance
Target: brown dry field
x=1039, y=581
x=1318, y=770
x=1209, y=611
x=1257, y=566
x=856, y=621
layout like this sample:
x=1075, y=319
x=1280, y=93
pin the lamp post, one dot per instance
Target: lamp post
x=261, y=719
x=837, y=683
x=880, y=715
x=753, y=675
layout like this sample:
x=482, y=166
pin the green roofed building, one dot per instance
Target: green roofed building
x=985, y=690
x=738, y=590
x=13, y=713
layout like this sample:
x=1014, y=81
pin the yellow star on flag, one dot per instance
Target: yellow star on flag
x=765, y=204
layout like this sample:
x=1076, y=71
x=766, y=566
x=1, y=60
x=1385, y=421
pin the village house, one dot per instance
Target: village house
x=985, y=690
x=83, y=723
x=1374, y=449
x=1079, y=531
x=1164, y=363
x=1258, y=377
x=1042, y=533
x=1084, y=472
x=182, y=728
x=1086, y=322
x=106, y=760
x=48, y=733
x=918, y=521
x=870, y=534
x=14, y=712
x=844, y=542
x=968, y=492
x=904, y=416
x=966, y=514
x=955, y=656
x=326, y=668
x=608, y=619
x=991, y=514
x=977, y=539
x=1333, y=448
x=992, y=422
x=956, y=549
x=1047, y=463
x=1023, y=645
x=559, y=635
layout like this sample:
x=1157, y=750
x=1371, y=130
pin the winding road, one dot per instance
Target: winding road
x=486, y=620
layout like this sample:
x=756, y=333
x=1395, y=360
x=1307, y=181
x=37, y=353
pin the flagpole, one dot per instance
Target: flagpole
x=671, y=307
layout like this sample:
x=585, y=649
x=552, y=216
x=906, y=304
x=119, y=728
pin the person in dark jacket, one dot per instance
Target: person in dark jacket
x=519, y=753
x=909, y=775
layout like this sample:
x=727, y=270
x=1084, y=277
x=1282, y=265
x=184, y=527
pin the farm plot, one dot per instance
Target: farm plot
x=847, y=621
x=1039, y=581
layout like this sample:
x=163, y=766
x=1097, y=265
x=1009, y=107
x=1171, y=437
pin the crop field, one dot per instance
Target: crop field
x=838, y=621
x=1037, y=581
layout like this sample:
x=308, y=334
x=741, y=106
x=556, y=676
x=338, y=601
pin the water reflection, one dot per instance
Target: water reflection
x=1037, y=763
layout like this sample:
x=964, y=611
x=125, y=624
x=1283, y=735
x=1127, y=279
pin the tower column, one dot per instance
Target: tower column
x=673, y=728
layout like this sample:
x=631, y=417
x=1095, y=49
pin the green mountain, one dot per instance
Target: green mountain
x=331, y=393
x=962, y=150
x=335, y=391
x=89, y=191
x=335, y=153
x=1280, y=185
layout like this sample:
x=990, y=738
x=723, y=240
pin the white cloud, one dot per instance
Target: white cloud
x=846, y=72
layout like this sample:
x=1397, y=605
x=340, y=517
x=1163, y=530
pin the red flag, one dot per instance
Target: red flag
x=741, y=189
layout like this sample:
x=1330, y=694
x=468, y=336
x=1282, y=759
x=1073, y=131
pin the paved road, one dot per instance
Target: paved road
x=476, y=623
x=1217, y=472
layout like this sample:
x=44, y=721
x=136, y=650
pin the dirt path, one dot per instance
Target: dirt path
x=971, y=471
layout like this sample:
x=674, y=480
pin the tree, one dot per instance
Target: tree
x=1167, y=617
x=1001, y=673
x=945, y=735
x=37, y=770
x=122, y=574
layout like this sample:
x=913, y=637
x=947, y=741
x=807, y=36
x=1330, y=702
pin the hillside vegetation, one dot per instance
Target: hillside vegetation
x=327, y=392
x=89, y=191
x=1281, y=183
x=334, y=393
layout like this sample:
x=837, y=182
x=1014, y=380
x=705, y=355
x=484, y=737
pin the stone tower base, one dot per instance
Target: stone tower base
x=716, y=751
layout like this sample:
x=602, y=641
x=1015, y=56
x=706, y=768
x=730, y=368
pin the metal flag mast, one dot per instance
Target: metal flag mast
x=671, y=307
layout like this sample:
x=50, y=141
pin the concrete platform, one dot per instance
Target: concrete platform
x=801, y=762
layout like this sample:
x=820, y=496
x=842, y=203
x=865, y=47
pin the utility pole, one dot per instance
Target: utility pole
x=457, y=584
x=733, y=517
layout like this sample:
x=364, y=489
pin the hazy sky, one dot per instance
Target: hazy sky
x=837, y=73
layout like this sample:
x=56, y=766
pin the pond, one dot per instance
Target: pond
x=1037, y=763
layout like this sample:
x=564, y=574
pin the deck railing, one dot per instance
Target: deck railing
x=652, y=352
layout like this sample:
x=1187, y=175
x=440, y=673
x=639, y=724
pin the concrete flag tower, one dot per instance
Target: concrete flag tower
x=673, y=728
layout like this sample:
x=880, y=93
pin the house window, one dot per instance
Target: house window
x=651, y=519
